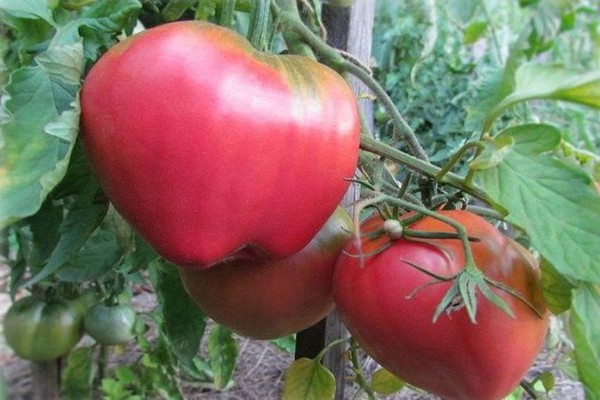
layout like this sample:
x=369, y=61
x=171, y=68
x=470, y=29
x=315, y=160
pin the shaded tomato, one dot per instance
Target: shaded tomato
x=214, y=151
x=110, y=325
x=388, y=306
x=265, y=300
x=41, y=331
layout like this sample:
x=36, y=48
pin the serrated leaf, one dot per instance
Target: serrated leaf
x=77, y=378
x=33, y=159
x=551, y=82
x=556, y=289
x=30, y=9
x=39, y=117
x=384, y=382
x=308, y=379
x=64, y=63
x=182, y=322
x=493, y=89
x=222, y=353
x=552, y=200
x=585, y=332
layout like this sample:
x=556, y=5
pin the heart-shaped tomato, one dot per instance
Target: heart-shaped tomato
x=214, y=151
x=388, y=304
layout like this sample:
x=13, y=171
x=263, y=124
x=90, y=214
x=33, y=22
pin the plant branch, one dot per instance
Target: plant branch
x=401, y=127
x=422, y=167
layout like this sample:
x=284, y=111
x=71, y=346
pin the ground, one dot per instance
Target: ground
x=258, y=374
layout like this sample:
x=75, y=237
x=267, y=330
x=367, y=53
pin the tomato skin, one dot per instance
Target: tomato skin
x=211, y=150
x=40, y=331
x=452, y=358
x=110, y=325
x=266, y=300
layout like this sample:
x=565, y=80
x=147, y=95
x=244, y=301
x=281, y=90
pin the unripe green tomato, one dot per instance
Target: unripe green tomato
x=110, y=325
x=40, y=331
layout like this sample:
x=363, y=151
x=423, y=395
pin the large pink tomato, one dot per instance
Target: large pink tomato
x=214, y=151
x=265, y=300
x=388, y=305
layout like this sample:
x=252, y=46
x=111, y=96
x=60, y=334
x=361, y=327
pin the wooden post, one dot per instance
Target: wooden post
x=351, y=30
x=45, y=380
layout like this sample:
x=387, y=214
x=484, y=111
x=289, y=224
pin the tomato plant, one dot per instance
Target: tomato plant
x=110, y=325
x=266, y=300
x=223, y=122
x=41, y=331
x=388, y=304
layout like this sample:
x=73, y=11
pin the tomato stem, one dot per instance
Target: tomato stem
x=356, y=368
x=226, y=16
x=287, y=12
x=328, y=347
x=259, y=22
x=401, y=127
x=456, y=158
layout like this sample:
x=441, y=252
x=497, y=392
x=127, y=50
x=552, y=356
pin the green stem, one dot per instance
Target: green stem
x=287, y=10
x=422, y=167
x=102, y=362
x=360, y=378
x=401, y=127
x=259, y=23
x=334, y=59
x=328, y=347
x=456, y=158
x=227, y=9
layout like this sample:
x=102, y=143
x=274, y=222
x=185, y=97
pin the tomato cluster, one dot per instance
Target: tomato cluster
x=229, y=163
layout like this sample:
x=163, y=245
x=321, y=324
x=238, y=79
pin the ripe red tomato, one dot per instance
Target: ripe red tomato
x=265, y=300
x=213, y=151
x=388, y=307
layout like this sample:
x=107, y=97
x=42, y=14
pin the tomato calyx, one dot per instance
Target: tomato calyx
x=463, y=292
x=465, y=284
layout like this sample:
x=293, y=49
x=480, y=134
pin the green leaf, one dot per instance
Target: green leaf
x=175, y=9
x=537, y=81
x=98, y=256
x=182, y=322
x=474, y=31
x=82, y=218
x=222, y=353
x=39, y=125
x=493, y=153
x=308, y=379
x=286, y=343
x=384, y=382
x=78, y=376
x=495, y=87
x=29, y=9
x=552, y=200
x=126, y=375
x=39, y=117
x=462, y=10
x=585, y=332
x=557, y=290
